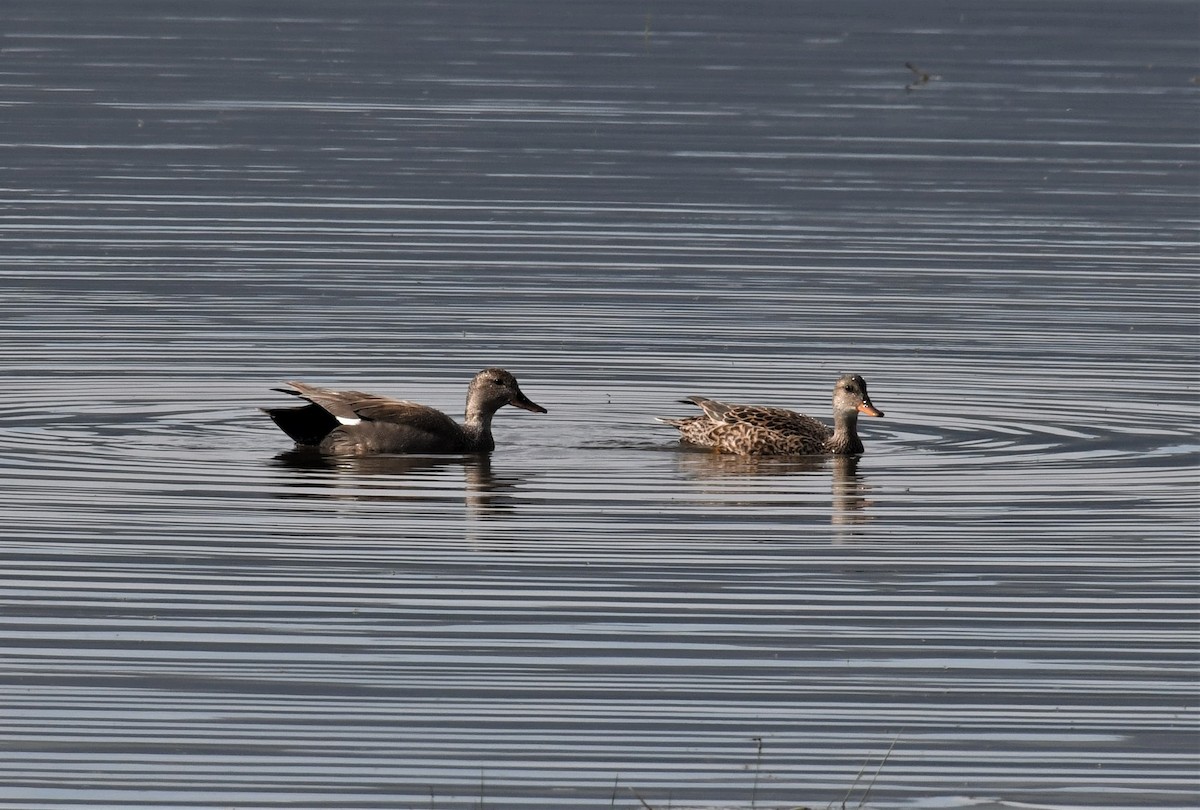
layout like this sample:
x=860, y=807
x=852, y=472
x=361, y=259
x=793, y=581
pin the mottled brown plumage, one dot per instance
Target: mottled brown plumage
x=758, y=430
x=359, y=424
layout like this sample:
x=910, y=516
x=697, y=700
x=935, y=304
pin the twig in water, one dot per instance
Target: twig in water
x=850, y=789
x=757, y=773
x=640, y=799
x=886, y=754
x=859, y=776
x=922, y=77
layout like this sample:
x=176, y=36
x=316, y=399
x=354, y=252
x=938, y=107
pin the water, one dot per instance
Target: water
x=624, y=205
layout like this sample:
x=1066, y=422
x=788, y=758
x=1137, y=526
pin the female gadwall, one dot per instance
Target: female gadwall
x=358, y=424
x=757, y=430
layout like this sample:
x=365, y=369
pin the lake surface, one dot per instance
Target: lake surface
x=624, y=204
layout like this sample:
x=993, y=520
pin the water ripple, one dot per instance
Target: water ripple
x=626, y=210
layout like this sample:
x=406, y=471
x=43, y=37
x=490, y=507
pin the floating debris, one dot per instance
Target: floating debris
x=923, y=77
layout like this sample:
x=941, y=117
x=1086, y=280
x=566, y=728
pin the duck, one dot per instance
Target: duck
x=760, y=430
x=353, y=423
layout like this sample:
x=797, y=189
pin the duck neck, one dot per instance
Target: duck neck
x=478, y=426
x=845, y=441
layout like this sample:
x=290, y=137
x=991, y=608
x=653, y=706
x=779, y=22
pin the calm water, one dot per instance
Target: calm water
x=623, y=203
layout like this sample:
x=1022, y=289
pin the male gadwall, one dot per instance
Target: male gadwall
x=757, y=430
x=358, y=424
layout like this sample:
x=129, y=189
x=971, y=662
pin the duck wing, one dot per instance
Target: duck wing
x=354, y=407
x=779, y=420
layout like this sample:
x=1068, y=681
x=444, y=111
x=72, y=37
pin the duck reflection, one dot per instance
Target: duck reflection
x=380, y=478
x=703, y=465
x=848, y=490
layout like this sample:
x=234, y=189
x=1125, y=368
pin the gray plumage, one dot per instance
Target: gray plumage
x=358, y=423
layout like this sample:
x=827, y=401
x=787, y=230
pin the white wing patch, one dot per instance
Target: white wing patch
x=349, y=420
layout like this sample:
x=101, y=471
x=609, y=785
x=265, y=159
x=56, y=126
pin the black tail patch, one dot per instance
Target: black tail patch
x=307, y=425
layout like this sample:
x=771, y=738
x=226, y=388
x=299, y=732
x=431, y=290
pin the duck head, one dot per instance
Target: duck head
x=493, y=388
x=850, y=397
